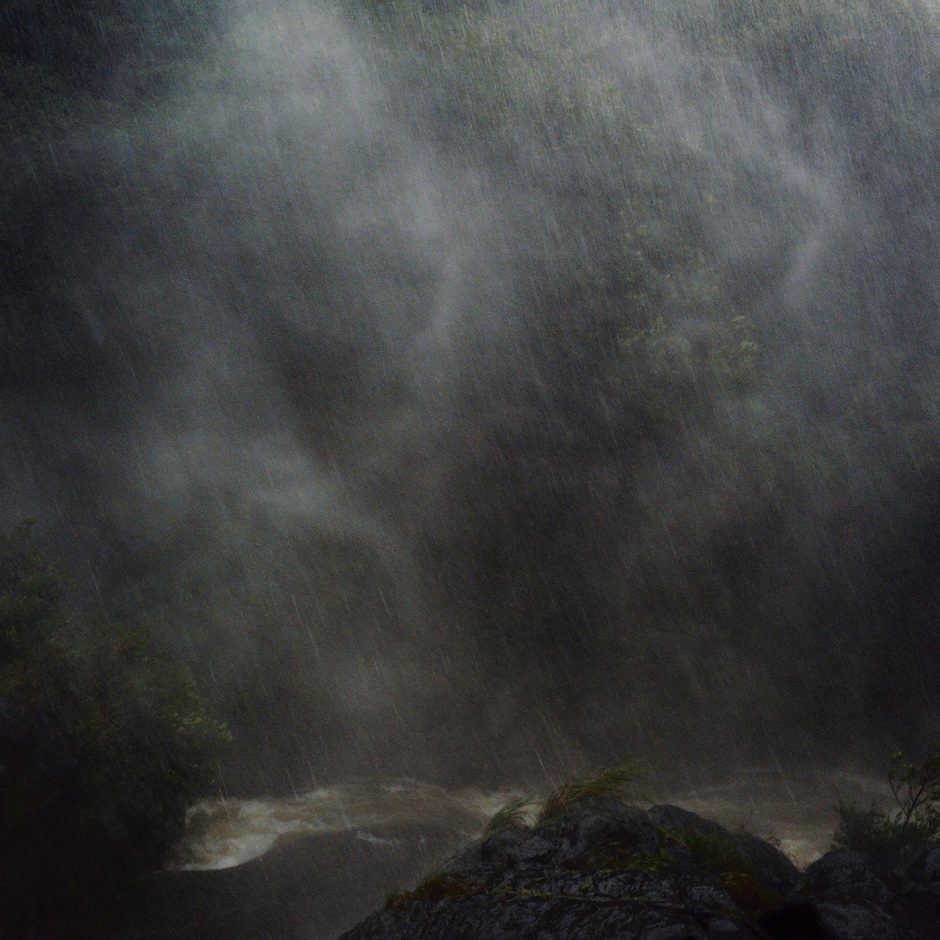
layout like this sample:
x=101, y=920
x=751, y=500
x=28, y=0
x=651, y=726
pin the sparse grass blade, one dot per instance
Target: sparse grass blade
x=620, y=782
x=514, y=815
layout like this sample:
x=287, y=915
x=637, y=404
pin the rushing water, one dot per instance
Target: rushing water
x=225, y=833
x=796, y=811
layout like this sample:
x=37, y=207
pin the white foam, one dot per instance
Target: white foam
x=225, y=833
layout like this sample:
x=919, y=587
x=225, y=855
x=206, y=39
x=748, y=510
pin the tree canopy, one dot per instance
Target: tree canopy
x=104, y=742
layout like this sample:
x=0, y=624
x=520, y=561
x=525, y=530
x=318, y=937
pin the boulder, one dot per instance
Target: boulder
x=847, y=876
x=925, y=866
x=605, y=871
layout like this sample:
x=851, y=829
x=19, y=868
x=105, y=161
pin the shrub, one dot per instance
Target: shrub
x=914, y=820
x=104, y=743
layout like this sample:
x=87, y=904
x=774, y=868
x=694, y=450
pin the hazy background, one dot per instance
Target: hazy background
x=485, y=391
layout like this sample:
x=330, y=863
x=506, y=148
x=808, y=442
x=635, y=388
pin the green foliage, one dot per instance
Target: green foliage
x=514, y=815
x=622, y=854
x=523, y=89
x=720, y=856
x=129, y=740
x=913, y=821
x=435, y=887
x=718, y=853
x=512, y=80
x=916, y=791
x=866, y=830
x=620, y=782
x=31, y=587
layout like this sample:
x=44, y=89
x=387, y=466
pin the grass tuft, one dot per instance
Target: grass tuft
x=717, y=853
x=514, y=815
x=620, y=782
x=435, y=887
x=737, y=875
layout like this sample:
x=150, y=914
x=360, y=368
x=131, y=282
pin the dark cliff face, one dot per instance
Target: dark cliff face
x=604, y=870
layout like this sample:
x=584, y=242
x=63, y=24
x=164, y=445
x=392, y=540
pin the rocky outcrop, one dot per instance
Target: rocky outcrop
x=605, y=870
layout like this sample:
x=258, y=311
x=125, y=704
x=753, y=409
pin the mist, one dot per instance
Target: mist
x=483, y=392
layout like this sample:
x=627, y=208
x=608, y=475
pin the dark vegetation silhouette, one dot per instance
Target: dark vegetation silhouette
x=911, y=824
x=104, y=744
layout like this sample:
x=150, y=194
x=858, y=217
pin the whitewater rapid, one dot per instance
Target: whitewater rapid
x=224, y=833
x=796, y=811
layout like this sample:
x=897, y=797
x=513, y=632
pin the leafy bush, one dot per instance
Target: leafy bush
x=104, y=743
x=914, y=820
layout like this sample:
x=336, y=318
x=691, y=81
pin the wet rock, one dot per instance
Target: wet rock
x=467, y=859
x=672, y=933
x=603, y=871
x=800, y=920
x=925, y=866
x=847, y=875
x=596, y=825
x=857, y=922
x=918, y=908
x=675, y=818
x=727, y=930
x=504, y=847
x=597, y=870
x=768, y=864
x=537, y=848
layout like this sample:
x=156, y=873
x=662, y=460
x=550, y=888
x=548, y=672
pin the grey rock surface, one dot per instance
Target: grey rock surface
x=604, y=870
x=846, y=875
